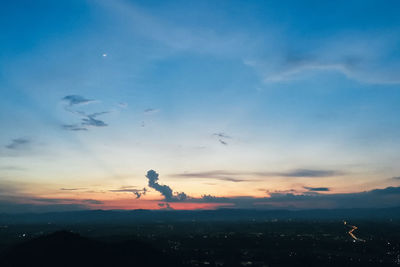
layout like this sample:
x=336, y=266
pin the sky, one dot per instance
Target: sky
x=199, y=104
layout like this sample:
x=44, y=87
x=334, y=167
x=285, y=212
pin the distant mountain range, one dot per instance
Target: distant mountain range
x=118, y=216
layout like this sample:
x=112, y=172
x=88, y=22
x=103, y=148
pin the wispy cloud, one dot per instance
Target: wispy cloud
x=137, y=192
x=87, y=120
x=72, y=189
x=306, y=173
x=174, y=36
x=222, y=142
x=222, y=135
x=217, y=175
x=92, y=201
x=77, y=100
x=222, y=138
x=236, y=176
x=347, y=55
x=18, y=143
x=74, y=127
x=91, y=121
x=123, y=105
x=151, y=110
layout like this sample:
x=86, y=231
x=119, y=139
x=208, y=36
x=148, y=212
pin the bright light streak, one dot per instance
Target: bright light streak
x=353, y=228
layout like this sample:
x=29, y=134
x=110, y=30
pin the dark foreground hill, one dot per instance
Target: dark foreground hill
x=70, y=249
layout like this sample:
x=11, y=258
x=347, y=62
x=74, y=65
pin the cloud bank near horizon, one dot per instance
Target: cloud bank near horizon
x=312, y=198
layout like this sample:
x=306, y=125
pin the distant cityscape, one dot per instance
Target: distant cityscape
x=248, y=241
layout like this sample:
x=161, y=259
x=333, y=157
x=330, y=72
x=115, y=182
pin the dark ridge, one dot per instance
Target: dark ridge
x=133, y=216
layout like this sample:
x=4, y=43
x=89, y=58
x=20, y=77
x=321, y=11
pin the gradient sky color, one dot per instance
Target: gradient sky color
x=259, y=104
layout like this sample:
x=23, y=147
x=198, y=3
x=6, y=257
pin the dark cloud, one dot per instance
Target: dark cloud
x=223, y=142
x=137, y=192
x=74, y=127
x=321, y=189
x=280, y=192
x=222, y=135
x=91, y=121
x=93, y=115
x=396, y=178
x=18, y=143
x=165, y=190
x=76, y=100
x=210, y=198
x=151, y=111
x=49, y=200
x=165, y=206
x=310, y=173
x=87, y=120
x=222, y=138
x=64, y=200
x=71, y=189
x=301, y=173
x=93, y=201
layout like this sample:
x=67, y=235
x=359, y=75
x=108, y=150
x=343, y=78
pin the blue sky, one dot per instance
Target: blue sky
x=93, y=94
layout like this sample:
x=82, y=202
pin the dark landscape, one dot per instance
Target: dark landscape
x=201, y=238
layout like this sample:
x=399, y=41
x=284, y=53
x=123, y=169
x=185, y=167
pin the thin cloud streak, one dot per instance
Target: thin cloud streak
x=77, y=100
x=137, y=192
x=345, y=54
x=87, y=120
x=151, y=110
x=317, y=189
x=308, y=173
x=18, y=143
x=72, y=189
x=217, y=175
x=222, y=138
x=227, y=175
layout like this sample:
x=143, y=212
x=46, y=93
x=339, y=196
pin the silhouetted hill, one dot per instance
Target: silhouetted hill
x=70, y=249
x=115, y=216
